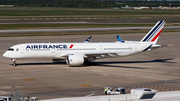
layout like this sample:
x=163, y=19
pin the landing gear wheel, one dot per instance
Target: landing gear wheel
x=14, y=64
x=89, y=63
x=14, y=60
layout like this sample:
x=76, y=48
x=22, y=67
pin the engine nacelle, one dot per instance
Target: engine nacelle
x=75, y=60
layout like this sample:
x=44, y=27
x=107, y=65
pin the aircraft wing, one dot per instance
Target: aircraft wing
x=96, y=55
x=101, y=55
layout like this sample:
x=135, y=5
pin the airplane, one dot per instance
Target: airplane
x=76, y=54
x=87, y=40
x=119, y=38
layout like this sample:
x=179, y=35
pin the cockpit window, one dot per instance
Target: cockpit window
x=10, y=49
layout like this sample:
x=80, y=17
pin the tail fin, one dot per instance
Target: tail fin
x=153, y=34
x=119, y=38
x=87, y=40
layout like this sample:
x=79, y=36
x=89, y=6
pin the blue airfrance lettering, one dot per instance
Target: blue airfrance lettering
x=46, y=46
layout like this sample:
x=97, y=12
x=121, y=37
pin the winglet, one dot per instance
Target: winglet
x=87, y=40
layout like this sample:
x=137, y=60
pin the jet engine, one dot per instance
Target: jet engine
x=75, y=60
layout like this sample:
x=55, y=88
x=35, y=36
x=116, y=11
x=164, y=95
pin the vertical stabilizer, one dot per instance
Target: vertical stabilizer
x=87, y=40
x=154, y=33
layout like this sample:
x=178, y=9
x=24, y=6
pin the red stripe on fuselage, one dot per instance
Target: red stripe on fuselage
x=156, y=36
x=71, y=46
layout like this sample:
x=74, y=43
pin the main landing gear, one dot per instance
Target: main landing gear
x=14, y=60
x=89, y=63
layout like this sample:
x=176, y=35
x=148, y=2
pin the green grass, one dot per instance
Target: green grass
x=45, y=26
x=57, y=12
x=51, y=13
x=40, y=11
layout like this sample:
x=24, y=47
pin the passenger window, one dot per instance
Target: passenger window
x=17, y=49
x=10, y=49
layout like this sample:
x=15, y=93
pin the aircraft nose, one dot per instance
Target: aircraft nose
x=6, y=54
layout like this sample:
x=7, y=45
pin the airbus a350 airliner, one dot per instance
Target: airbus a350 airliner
x=76, y=54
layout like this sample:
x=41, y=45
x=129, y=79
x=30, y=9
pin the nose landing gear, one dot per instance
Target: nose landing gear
x=14, y=60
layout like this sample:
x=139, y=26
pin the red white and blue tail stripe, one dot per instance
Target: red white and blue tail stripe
x=154, y=33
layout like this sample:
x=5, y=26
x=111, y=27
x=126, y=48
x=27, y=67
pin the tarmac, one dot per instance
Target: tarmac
x=157, y=69
x=82, y=29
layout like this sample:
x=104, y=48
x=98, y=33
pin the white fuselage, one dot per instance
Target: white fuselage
x=59, y=50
